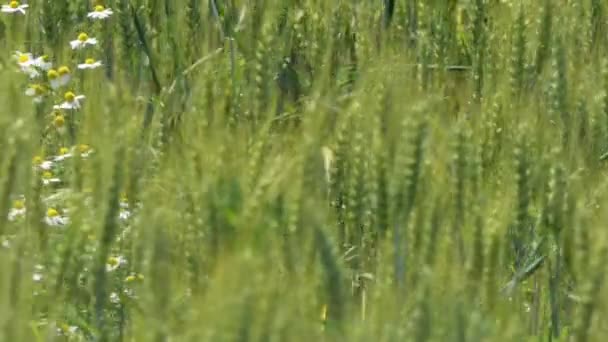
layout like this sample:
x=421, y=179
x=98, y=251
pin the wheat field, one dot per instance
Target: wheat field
x=303, y=170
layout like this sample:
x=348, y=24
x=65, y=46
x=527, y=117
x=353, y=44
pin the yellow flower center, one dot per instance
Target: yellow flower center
x=37, y=160
x=52, y=74
x=83, y=37
x=63, y=151
x=99, y=8
x=59, y=121
x=14, y=4
x=133, y=277
x=18, y=204
x=89, y=61
x=83, y=148
x=38, y=89
x=64, y=70
x=65, y=328
x=52, y=212
x=113, y=261
x=47, y=175
x=69, y=96
x=23, y=58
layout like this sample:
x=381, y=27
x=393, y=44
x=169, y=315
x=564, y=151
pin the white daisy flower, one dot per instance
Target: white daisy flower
x=67, y=330
x=124, y=204
x=85, y=150
x=54, y=219
x=115, y=262
x=59, y=78
x=48, y=179
x=100, y=12
x=53, y=77
x=134, y=277
x=46, y=165
x=114, y=298
x=43, y=62
x=31, y=72
x=42, y=164
x=130, y=293
x=64, y=153
x=124, y=214
x=64, y=75
x=90, y=63
x=37, y=91
x=15, y=214
x=124, y=201
x=59, y=123
x=72, y=101
x=37, y=276
x=14, y=7
x=26, y=63
x=82, y=41
x=17, y=211
x=24, y=59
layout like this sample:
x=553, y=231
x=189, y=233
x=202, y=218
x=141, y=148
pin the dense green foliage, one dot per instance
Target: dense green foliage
x=304, y=170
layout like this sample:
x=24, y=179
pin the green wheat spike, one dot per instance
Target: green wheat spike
x=597, y=23
x=389, y=11
x=479, y=47
x=7, y=183
x=545, y=38
x=559, y=90
x=460, y=176
x=108, y=235
x=589, y=306
x=518, y=54
x=333, y=280
x=478, y=261
x=128, y=55
x=518, y=233
x=194, y=29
